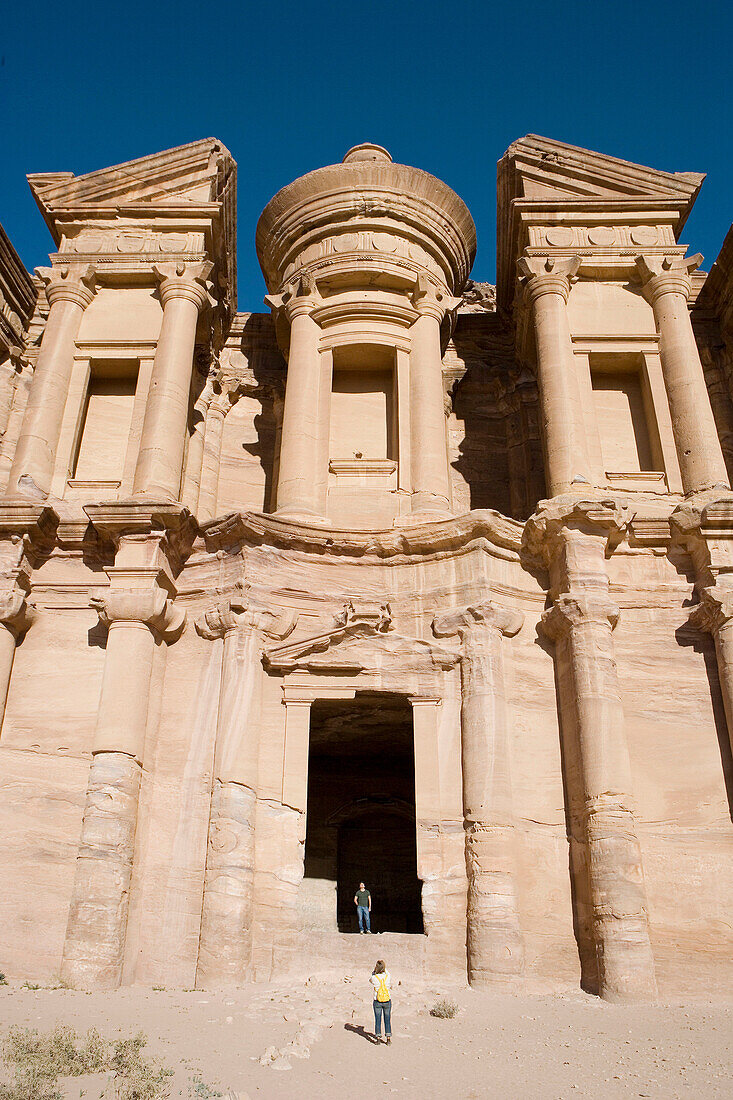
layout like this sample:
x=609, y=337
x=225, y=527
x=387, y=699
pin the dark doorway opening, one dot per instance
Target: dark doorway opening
x=361, y=810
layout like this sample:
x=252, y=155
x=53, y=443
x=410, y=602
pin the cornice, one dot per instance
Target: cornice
x=496, y=533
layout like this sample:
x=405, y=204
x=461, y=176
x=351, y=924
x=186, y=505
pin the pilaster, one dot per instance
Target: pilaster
x=139, y=612
x=225, y=945
x=494, y=937
x=574, y=537
x=27, y=534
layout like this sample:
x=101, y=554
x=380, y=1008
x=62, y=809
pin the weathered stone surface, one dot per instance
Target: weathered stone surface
x=358, y=499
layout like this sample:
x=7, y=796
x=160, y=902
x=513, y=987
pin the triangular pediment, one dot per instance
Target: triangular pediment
x=539, y=168
x=195, y=173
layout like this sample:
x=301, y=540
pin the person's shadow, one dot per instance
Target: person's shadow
x=359, y=1029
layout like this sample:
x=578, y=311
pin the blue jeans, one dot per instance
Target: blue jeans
x=363, y=912
x=386, y=1008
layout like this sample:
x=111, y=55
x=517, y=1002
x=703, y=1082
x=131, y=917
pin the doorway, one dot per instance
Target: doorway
x=360, y=824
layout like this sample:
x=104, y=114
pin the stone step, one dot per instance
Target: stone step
x=354, y=954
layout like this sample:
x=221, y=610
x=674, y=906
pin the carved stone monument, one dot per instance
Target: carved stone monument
x=407, y=580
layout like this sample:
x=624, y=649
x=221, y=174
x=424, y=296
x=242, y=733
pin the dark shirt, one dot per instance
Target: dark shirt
x=363, y=897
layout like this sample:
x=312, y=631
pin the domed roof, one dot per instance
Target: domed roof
x=367, y=185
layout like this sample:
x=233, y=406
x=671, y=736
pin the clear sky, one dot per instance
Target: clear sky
x=291, y=86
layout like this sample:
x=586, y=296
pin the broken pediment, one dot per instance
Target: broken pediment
x=195, y=173
x=360, y=639
x=541, y=169
x=549, y=183
x=191, y=188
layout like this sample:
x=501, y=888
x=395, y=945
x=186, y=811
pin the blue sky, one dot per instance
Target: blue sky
x=290, y=86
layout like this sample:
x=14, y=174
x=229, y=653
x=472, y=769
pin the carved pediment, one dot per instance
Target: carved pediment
x=193, y=173
x=539, y=168
x=360, y=640
x=550, y=183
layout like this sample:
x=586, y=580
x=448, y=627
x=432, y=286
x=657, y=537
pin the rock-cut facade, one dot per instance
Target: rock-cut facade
x=407, y=579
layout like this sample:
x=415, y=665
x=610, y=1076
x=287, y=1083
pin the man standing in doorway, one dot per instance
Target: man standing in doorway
x=363, y=903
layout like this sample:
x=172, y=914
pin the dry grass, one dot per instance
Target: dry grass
x=444, y=1009
x=34, y=1062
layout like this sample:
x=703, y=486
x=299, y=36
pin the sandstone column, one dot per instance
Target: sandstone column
x=26, y=535
x=428, y=438
x=195, y=455
x=69, y=293
x=494, y=940
x=667, y=285
x=138, y=610
x=226, y=394
x=159, y=467
x=300, y=482
x=573, y=537
x=225, y=945
x=547, y=287
x=704, y=526
x=714, y=614
x=16, y=615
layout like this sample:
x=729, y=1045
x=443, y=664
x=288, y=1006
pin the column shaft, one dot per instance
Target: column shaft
x=724, y=653
x=96, y=931
x=300, y=482
x=211, y=461
x=8, y=640
x=696, y=436
x=667, y=286
x=615, y=876
x=495, y=946
x=565, y=447
x=225, y=945
x=35, y=454
x=428, y=440
x=160, y=458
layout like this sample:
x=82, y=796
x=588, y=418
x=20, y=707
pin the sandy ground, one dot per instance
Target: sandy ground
x=307, y=1040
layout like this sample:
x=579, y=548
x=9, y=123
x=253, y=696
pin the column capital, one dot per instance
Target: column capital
x=547, y=528
x=297, y=298
x=430, y=300
x=238, y=613
x=65, y=283
x=703, y=525
x=547, y=275
x=571, y=611
x=145, y=531
x=487, y=616
x=715, y=609
x=140, y=596
x=666, y=274
x=17, y=612
x=185, y=280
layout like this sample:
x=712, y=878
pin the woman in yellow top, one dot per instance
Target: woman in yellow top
x=382, y=1004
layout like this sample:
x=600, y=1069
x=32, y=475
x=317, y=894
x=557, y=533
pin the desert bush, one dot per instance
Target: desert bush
x=35, y=1062
x=3, y=979
x=202, y=1091
x=444, y=1009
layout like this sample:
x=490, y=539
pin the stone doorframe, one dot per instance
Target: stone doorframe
x=362, y=653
